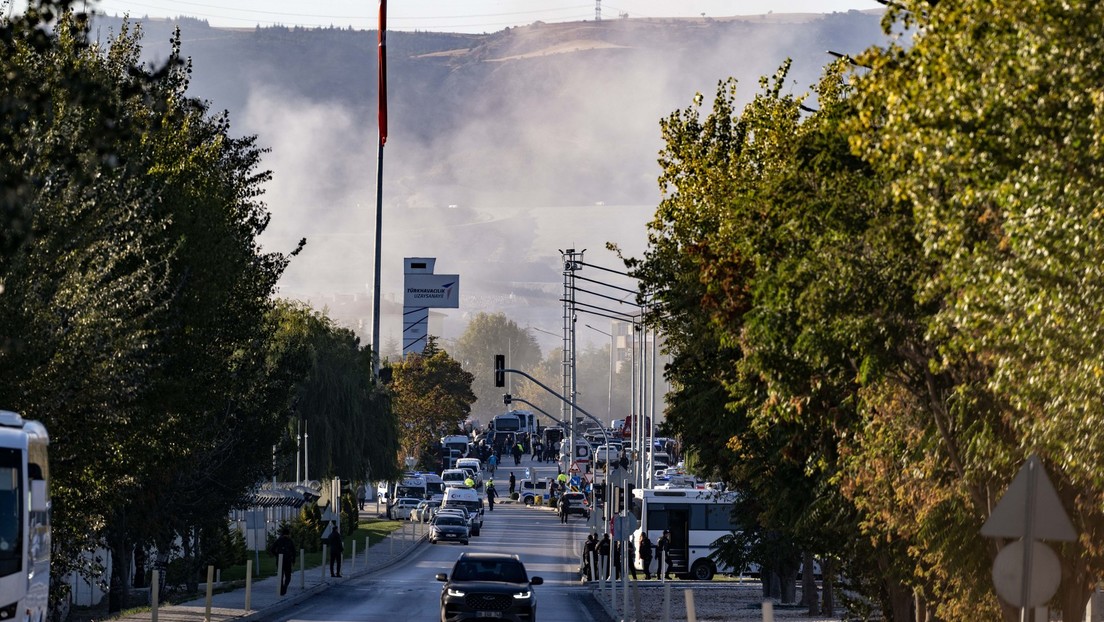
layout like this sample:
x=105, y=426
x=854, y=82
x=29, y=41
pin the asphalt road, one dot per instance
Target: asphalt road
x=409, y=591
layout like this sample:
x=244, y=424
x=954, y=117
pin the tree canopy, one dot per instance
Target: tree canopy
x=877, y=308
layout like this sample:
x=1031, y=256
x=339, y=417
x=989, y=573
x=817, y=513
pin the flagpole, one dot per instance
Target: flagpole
x=382, y=82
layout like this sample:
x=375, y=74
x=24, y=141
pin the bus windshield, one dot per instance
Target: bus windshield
x=11, y=511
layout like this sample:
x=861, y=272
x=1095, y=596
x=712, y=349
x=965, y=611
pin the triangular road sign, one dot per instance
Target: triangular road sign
x=1049, y=518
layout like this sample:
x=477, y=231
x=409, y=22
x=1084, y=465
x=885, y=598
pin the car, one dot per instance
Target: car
x=531, y=491
x=579, y=504
x=476, y=468
x=402, y=508
x=488, y=585
x=449, y=528
x=425, y=511
x=470, y=501
x=607, y=453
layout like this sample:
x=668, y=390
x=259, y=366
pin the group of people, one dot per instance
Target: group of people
x=286, y=552
x=600, y=551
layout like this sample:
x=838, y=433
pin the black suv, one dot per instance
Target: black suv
x=488, y=585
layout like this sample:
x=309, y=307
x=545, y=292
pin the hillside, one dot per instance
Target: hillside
x=502, y=148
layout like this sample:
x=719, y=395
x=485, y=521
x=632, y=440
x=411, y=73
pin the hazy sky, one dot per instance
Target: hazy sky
x=474, y=16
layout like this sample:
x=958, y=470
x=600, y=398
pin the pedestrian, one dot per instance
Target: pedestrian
x=590, y=548
x=645, y=547
x=663, y=545
x=286, y=547
x=537, y=451
x=513, y=483
x=565, y=507
x=617, y=559
x=492, y=462
x=630, y=550
x=604, y=556
x=491, y=494
x=518, y=451
x=337, y=545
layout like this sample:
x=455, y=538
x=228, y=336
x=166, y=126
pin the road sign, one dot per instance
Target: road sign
x=574, y=468
x=1044, y=575
x=1048, y=519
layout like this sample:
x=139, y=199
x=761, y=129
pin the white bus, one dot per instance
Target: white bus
x=24, y=519
x=696, y=519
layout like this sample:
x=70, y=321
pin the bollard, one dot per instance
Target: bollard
x=636, y=599
x=391, y=544
x=249, y=583
x=302, y=569
x=625, y=585
x=367, y=545
x=325, y=549
x=691, y=613
x=210, y=587
x=613, y=588
x=352, y=560
x=667, y=602
x=155, y=589
x=768, y=611
x=280, y=568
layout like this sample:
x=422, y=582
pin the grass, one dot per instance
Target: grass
x=373, y=529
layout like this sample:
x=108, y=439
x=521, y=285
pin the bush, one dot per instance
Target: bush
x=515, y=496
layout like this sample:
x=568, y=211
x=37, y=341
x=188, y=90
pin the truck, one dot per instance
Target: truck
x=459, y=442
x=25, y=528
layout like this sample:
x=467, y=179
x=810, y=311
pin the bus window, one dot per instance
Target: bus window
x=719, y=518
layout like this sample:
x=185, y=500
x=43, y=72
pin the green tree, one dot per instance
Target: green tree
x=487, y=335
x=350, y=427
x=433, y=397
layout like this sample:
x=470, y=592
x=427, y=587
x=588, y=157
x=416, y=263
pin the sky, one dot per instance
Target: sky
x=469, y=16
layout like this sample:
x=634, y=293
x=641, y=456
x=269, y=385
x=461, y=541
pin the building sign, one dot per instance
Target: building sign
x=438, y=291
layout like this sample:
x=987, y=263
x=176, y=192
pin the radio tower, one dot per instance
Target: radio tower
x=597, y=10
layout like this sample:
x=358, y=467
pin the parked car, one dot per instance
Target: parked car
x=488, y=585
x=476, y=468
x=531, y=491
x=449, y=528
x=607, y=453
x=402, y=508
x=425, y=511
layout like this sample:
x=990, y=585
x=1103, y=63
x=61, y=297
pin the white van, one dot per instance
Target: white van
x=475, y=466
x=470, y=501
x=454, y=477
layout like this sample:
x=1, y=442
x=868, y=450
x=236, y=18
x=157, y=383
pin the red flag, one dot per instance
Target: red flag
x=383, y=72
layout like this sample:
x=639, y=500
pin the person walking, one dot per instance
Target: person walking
x=537, y=451
x=492, y=462
x=645, y=547
x=604, y=556
x=662, y=546
x=286, y=547
x=518, y=451
x=491, y=494
x=565, y=507
x=630, y=549
x=513, y=483
x=337, y=545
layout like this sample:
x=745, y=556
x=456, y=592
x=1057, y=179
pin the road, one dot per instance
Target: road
x=409, y=591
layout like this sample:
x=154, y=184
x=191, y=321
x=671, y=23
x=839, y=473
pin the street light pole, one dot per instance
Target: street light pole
x=609, y=401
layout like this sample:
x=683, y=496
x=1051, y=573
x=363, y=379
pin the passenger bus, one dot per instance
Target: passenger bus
x=507, y=422
x=24, y=519
x=696, y=519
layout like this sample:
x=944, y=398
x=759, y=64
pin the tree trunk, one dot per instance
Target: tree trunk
x=121, y=555
x=808, y=585
x=828, y=596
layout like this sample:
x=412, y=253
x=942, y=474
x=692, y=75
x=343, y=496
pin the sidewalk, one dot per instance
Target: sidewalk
x=265, y=599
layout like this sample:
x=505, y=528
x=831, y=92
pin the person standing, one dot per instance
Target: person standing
x=337, y=546
x=565, y=507
x=491, y=494
x=492, y=462
x=286, y=547
x=630, y=549
x=645, y=547
x=513, y=483
x=663, y=545
x=590, y=548
x=604, y=556
x=536, y=451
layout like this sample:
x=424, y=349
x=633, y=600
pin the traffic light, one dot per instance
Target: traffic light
x=507, y=398
x=500, y=370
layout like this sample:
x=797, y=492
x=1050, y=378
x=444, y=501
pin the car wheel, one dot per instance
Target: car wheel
x=528, y=500
x=702, y=570
x=465, y=543
x=475, y=532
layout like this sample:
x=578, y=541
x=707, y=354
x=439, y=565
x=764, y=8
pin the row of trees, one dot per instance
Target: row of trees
x=879, y=308
x=137, y=317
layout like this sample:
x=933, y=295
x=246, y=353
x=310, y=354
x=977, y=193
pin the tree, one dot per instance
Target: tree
x=486, y=336
x=433, y=397
x=346, y=416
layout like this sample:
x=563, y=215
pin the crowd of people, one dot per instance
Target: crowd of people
x=599, y=551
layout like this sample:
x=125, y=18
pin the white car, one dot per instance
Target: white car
x=402, y=508
x=425, y=511
x=607, y=453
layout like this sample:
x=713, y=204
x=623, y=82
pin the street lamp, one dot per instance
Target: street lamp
x=609, y=403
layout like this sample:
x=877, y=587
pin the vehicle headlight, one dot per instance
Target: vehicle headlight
x=523, y=595
x=455, y=592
